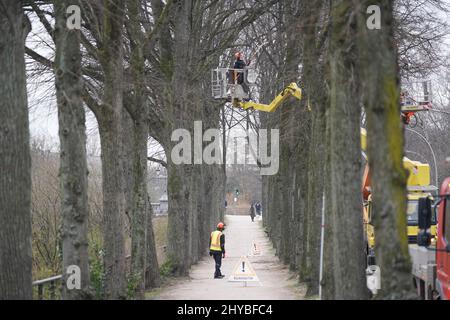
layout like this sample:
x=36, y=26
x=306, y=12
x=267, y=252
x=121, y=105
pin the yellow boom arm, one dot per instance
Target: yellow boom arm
x=419, y=173
x=291, y=90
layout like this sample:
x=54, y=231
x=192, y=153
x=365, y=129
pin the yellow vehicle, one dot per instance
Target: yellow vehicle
x=418, y=186
x=412, y=216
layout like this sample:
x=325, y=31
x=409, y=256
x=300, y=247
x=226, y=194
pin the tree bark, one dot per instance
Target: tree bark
x=328, y=283
x=349, y=258
x=73, y=162
x=111, y=131
x=144, y=266
x=314, y=19
x=182, y=100
x=113, y=206
x=178, y=192
x=292, y=129
x=15, y=180
x=380, y=79
x=152, y=276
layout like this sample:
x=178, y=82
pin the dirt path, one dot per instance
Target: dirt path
x=276, y=282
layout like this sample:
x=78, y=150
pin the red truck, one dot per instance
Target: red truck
x=431, y=263
x=443, y=243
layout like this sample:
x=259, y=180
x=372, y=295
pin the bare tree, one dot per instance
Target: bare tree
x=380, y=81
x=15, y=181
x=106, y=25
x=73, y=163
x=345, y=156
x=144, y=260
x=315, y=35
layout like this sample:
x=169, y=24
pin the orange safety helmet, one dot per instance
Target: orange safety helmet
x=221, y=226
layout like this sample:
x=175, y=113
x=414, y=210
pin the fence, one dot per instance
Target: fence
x=51, y=283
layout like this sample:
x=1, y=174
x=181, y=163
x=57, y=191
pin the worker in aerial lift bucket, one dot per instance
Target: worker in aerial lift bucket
x=240, y=64
x=217, y=248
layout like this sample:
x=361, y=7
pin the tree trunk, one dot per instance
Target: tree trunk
x=178, y=192
x=379, y=74
x=349, y=258
x=73, y=162
x=111, y=134
x=15, y=180
x=110, y=128
x=144, y=263
x=196, y=214
x=212, y=182
x=316, y=19
x=152, y=276
x=140, y=226
x=317, y=98
x=328, y=283
x=184, y=105
x=283, y=194
x=309, y=272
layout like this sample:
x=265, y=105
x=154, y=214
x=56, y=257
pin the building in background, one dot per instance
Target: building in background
x=157, y=189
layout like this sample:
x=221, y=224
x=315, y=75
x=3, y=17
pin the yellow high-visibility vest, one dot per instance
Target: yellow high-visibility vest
x=215, y=241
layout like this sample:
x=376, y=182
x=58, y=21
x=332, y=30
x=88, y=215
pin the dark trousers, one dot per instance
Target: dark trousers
x=217, y=255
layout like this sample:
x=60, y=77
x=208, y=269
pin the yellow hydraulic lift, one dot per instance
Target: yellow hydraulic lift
x=292, y=90
x=225, y=86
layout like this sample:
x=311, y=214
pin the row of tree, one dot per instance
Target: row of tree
x=351, y=78
x=143, y=69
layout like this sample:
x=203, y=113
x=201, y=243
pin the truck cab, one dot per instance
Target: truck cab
x=412, y=214
x=431, y=260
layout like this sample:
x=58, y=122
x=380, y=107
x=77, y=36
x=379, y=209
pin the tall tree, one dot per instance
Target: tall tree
x=314, y=41
x=144, y=265
x=73, y=162
x=15, y=180
x=109, y=116
x=293, y=133
x=380, y=79
x=345, y=158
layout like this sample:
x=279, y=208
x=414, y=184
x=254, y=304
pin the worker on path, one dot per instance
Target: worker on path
x=217, y=248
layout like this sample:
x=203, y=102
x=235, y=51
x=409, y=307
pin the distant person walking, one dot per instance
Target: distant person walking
x=258, y=208
x=252, y=212
x=217, y=248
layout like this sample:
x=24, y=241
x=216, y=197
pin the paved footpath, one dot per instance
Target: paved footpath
x=276, y=282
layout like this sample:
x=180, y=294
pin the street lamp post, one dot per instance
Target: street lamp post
x=432, y=153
